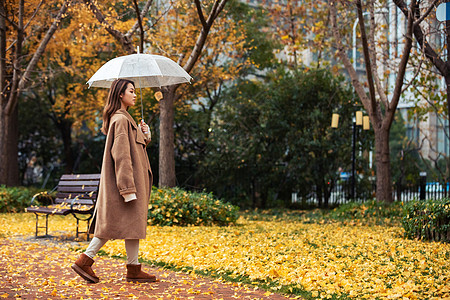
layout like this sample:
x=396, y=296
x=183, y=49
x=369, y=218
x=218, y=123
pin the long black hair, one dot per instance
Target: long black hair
x=114, y=103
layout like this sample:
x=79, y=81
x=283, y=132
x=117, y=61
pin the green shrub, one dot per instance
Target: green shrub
x=15, y=199
x=369, y=209
x=368, y=213
x=352, y=213
x=427, y=219
x=174, y=206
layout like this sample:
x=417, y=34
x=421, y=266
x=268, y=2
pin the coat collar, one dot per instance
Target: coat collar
x=129, y=117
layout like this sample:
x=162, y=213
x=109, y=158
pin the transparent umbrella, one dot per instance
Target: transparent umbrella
x=146, y=70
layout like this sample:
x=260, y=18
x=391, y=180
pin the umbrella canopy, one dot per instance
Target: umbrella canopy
x=146, y=70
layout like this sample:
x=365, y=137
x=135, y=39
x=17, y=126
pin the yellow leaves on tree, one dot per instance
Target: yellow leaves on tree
x=83, y=45
x=175, y=36
x=77, y=50
x=300, y=27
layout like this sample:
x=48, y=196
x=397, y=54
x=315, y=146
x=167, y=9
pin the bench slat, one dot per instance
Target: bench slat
x=72, y=195
x=77, y=189
x=78, y=183
x=58, y=211
x=48, y=210
x=78, y=201
x=80, y=176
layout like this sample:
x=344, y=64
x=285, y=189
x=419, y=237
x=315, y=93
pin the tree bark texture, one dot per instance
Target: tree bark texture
x=383, y=164
x=167, y=177
x=9, y=167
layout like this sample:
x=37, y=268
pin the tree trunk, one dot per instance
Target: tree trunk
x=326, y=195
x=319, y=195
x=167, y=177
x=382, y=160
x=253, y=193
x=9, y=167
x=2, y=54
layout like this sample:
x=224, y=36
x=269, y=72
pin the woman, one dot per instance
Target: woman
x=125, y=185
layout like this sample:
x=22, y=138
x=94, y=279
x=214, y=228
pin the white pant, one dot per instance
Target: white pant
x=131, y=246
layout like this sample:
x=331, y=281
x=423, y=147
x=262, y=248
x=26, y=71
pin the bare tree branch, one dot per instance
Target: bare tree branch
x=373, y=57
x=366, y=52
x=13, y=96
x=427, y=12
x=201, y=39
x=420, y=37
x=139, y=20
x=124, y=40
x=34, y=60
x=34, y=14
x=435, y=108
x=214, y=12
x=200, y=13
x=344, y=58
x=144, y=12
x=416, y=73
x=16, y=27
x=26, y=26
x=404, y=60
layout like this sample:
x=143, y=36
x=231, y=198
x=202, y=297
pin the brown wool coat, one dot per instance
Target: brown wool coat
x=125, y=169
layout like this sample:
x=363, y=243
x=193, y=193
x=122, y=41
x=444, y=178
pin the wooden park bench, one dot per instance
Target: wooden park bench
x=76, y=194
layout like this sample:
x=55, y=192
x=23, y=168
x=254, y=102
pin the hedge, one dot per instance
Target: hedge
x=427, y=219
x=174, y=206
x=15, y=199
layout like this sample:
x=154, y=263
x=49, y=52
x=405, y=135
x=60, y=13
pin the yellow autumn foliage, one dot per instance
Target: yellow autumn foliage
x=358, y=261
x=82, y=45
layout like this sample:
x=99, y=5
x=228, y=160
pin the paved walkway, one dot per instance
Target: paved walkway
x=40, y=270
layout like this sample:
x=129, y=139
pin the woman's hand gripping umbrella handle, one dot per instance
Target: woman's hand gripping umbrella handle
x=145, y=130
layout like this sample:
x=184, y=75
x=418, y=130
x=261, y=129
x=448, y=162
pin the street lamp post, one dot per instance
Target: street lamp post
x=357, y=120
x=358, y=115
x=353, y=179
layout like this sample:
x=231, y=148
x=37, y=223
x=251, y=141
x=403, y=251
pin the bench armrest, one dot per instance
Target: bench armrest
x=74, y=200
x=39, y=194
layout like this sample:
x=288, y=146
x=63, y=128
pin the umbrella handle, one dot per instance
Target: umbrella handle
x=142, y=105
x=140, y=90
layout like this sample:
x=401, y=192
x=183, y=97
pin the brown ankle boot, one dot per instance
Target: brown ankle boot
x=134, y=274
x=83, y=268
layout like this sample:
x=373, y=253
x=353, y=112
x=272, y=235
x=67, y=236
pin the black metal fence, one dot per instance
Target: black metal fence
x=423, y=191
x=341, y=194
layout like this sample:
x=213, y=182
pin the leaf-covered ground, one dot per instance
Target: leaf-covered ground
x=38, y=271
x=312, y=260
